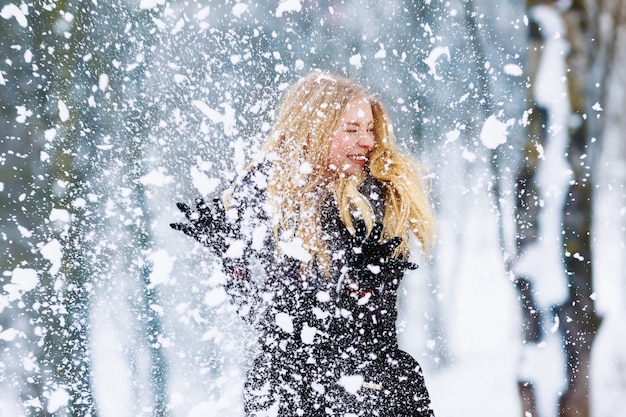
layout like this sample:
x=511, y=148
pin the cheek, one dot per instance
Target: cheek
x=336, y=147
x=341, y=142
x=336, y=151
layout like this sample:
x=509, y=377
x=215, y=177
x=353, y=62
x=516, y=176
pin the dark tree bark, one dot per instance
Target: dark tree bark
x=589, y=64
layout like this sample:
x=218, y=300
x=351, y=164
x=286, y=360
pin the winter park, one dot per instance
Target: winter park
x=473, y=267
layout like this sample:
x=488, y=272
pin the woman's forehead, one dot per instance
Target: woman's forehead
x=358, y=109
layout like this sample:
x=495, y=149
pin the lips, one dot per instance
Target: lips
x=359, y=159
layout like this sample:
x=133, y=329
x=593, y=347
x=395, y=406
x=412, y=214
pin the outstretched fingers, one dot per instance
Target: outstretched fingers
x=387, y=248
x=185, y=228
x=217, y=211
x=408, y=265
x=376, y=233
x=184, y=208
x=360, y=230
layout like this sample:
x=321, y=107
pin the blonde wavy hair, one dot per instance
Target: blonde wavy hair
x=300, y=177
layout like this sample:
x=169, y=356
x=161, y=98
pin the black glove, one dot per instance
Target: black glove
x=208, y=225
x=370, y=261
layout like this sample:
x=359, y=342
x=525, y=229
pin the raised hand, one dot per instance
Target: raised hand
x=369, y=260
x=207, y=224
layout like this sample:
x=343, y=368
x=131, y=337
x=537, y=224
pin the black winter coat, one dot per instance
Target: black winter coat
x=328, y=348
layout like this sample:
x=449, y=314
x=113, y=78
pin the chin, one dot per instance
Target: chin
x=355, y=172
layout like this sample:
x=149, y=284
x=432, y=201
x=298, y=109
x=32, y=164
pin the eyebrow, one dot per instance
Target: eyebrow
x=354, y=123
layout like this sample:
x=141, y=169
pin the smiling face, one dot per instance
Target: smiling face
x=354, y=139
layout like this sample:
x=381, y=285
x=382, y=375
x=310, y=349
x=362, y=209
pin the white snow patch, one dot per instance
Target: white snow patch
x=608, y=365
x=374, y=269
x=540, y=151
x=157, y=309
x=433, y=57
x=550, y=86
x=288, y=6
x=364, y=299
x=468, y=155
x=113, y=380
x=281, y=69
x=215, y=296
x=235, y=250
x=206, y=409
x=452, y=136
x=79, y=203
x=156, y=177
x=103, y=82
x=227, y=119
x=283, y=320
x=305, y=168
x=323, y=296
x=50, y=134
x=30, y=363
x=381, y=54
x=258, y=237
x=514, y=70
x=162, y=265
x=22, y=114
x=319, y=313
x=355, y=60
x=11, y=10
x=203, y=13
x=24, y=232
x=317, y=387
x=544, y=365
x=53, y=252
x=57, y=400
x=203, y=182
x=351, y=383
x=494, y=132
x=64, y=113
x=9, y=335
x=308, y=334
x=295, y=249
x=180, y=78
x=34, y=402
x=22, y=280
x=164, y=341
x=239, y=9
x=59, y=215
x=150, y=4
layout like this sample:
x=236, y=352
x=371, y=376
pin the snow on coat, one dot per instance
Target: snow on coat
x=325, y=349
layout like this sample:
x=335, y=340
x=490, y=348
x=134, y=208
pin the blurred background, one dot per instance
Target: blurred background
x=111, y=111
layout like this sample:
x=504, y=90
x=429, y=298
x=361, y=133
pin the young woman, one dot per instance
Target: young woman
x=314, y=239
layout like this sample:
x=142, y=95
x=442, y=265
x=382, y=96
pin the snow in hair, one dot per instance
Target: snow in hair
x=309, y=115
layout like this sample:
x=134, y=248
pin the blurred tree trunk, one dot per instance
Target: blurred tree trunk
x=53, y=316
x=592, y=33
x=60, y=48
x=62, y=96
x=527, y=209
x=588, y=63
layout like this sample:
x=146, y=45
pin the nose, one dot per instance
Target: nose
x=366, y=140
